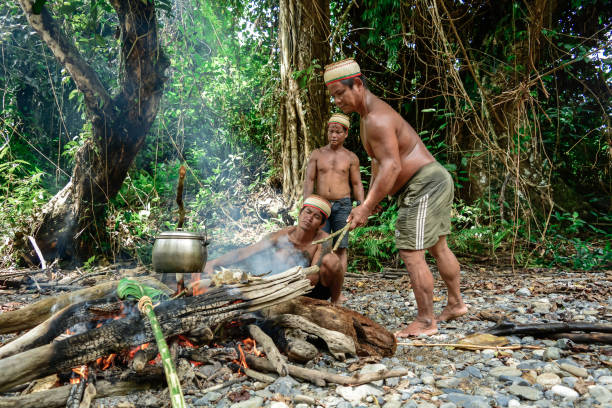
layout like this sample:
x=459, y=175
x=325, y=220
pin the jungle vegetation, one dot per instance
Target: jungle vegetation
x=103, y=100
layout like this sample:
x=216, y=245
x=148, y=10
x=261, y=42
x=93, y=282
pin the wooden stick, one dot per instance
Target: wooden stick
x=179, y=197
x=330, y=236
x=256, y=375
x=272, y=353
x=219, y=386
x=43, y=264
x=339, y=240
x=469, y=346
x=319, y=378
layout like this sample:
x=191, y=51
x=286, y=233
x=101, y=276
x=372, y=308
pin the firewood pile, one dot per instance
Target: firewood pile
x=88, y=343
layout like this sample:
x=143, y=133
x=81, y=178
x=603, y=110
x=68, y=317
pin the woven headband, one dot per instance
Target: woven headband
x=341, y=70
x=319, y=203
x=340, y=119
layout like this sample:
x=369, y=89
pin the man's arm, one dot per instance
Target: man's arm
x=322, y=250
x=383, y=144
x=385, y=149
x=240, y=254
x=355, y=176
x=311, y=175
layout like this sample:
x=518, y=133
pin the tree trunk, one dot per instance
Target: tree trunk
x=303, y=42
x=72, y=223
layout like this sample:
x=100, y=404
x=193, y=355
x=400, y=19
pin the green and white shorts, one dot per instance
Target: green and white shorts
x=424, y=208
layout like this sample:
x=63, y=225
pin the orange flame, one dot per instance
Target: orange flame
x=105, y=363
x=82, y=372
x=133, y=351
x=197, y=287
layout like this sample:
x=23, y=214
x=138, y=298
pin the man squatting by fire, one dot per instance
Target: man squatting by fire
x=292, y=246
x=402, y=165
x=331, y=172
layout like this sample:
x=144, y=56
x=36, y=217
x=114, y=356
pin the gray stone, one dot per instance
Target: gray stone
x=410, y=404
x=503, y=400
x=392, y=404
x=552, y=353
x=448, y=382
x=278, y=404
x=514, y=380
x=523, y=292
x=601, y=372
x=574, y=370
x=284, y=386
x=465, y=400
x=503, y=370
x=601, y=394
x=344, y=404
x=448, y=405
x=605, y=379
x=547, y=380
x=426, y=405
x=392, y=382
x=473, y=371
x=564, y=392
x=563, y=344
x=357, y=394
x=372, y=368
x=428, y=379
x=302, y=405
x=254, y=402
x=207, y=399
x=569, y=381
x=488, y=353
x=529, y=393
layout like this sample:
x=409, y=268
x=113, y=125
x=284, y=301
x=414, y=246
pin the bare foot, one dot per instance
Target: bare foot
x=452, y=312
x=418, y=327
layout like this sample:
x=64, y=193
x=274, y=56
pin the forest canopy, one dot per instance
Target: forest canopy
x=512, y=97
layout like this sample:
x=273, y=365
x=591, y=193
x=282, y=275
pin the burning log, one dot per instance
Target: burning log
x=34, y=314
x=175, y=317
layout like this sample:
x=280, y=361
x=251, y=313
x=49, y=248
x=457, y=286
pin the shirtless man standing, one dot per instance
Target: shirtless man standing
x=292, y=246
x=402, y=164
x=332, y=171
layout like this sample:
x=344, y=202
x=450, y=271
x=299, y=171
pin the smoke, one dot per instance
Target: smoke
x=282, y=255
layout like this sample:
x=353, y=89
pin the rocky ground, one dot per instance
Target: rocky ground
x=541, y=373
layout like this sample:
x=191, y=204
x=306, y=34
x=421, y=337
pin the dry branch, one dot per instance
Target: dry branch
x=319, y=378
x=268, y=346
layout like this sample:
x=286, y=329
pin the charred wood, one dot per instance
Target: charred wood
x=546, y=329
x=36, y=313
x=175, y=317
x=587, y=338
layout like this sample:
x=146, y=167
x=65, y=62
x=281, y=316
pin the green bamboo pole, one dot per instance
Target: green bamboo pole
x=131, y=288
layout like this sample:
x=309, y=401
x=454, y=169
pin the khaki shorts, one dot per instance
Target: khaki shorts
x=424, y=208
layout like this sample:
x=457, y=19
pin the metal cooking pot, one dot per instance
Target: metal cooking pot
x=179, y=252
